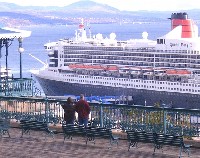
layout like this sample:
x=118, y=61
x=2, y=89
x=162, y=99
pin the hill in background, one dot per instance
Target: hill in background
x=92, y=12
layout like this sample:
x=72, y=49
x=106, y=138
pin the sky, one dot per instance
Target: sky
x=129, y=5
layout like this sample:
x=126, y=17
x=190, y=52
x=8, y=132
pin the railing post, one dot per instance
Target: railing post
x=31, y=87
x=5, y=87
x=46, y=110
x=21, y=50
x=101, y=116
x=164, y=121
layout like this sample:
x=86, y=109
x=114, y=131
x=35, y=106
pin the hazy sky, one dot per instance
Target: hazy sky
x=131, y=5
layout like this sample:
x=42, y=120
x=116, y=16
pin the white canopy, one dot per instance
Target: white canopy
x=9, y=33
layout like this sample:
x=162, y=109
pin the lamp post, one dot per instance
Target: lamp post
x=20, y=50
x=6, y=45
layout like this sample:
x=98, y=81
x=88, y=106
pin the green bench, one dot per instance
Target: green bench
x=28, y=125
x=134, y=137
x=97, y=132
x=70, y=130
x=158, y=140
x=89, y=133
x=171, y=140
x=4, y=126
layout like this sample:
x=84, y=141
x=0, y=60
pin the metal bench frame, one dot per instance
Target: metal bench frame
x=139, y=136
x=171, y=140
x=158, y=140
x=89, y=133
x=4, y=127
x=100, y=132
x=28, y=125
x=70, y=130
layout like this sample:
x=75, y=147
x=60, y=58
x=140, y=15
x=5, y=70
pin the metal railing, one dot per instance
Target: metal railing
x=18, y=87
x=124, y=117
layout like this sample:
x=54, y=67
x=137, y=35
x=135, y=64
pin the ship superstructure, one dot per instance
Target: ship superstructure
x=165, y=71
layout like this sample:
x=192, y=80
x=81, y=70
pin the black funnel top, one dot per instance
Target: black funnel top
x=181, y=16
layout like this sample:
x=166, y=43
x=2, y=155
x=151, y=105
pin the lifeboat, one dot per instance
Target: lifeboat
x=72, y=66
x=171, y=72
x=82, y=66
x=97, y=67
x=183, y=72
x=112, y=68
x=76, y=66
x=178, y=72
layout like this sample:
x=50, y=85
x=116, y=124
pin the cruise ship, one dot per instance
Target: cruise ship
x=158, y=72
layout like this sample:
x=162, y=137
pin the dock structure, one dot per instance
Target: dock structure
x=10, y=86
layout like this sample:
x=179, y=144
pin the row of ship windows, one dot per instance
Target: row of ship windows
x=138, y=86
x=128, y=53
x=139, y=90
x=128, y=49
x=142, y=81
x=110, y=55
x=131, y=60
x=132, y=57
x=46, y=47
x=180, y=51
x=91, y=48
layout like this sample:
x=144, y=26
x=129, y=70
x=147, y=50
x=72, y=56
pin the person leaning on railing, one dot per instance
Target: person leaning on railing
x=69, y=111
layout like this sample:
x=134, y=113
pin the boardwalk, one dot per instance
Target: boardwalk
x=35, y=146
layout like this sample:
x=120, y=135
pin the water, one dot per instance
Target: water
x=43, y=34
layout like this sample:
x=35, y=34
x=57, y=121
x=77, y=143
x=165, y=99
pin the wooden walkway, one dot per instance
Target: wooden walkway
x=35, y=146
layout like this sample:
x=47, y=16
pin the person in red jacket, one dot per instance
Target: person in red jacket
x=83, y=109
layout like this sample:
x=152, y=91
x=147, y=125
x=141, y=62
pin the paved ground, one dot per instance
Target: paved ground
x=35, y=146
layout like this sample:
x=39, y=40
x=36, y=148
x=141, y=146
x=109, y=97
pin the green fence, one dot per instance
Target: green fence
x=17, y=87
x=165, y=120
